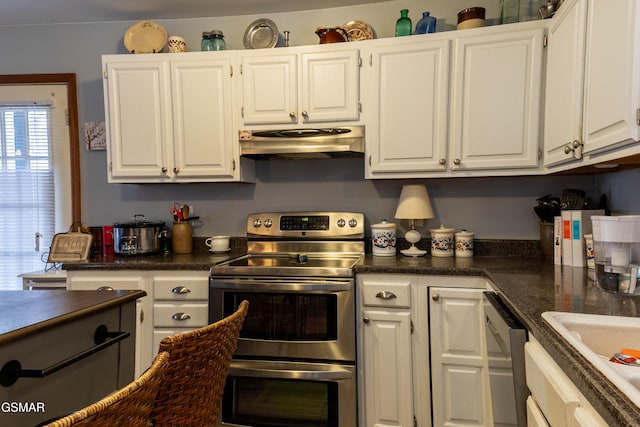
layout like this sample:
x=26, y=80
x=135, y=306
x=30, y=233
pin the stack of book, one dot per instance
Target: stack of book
x=568, y=236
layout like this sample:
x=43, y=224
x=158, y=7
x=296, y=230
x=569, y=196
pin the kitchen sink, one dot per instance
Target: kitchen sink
x=597, y=338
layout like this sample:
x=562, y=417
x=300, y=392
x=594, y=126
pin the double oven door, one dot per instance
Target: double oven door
x=295, y=362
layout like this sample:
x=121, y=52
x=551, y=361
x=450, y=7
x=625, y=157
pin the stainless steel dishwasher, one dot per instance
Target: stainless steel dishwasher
x=505, y=346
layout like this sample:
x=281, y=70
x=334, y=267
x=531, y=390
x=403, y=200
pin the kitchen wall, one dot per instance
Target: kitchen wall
x=492, y=207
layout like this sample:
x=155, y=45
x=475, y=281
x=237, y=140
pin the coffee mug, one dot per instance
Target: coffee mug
x=218, y=243
x=176, y=44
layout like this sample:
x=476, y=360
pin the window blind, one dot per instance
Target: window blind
x=27, y=190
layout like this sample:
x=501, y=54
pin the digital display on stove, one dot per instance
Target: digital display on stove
x=295, y=222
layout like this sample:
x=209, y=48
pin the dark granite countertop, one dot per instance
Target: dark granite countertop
x=26, y=313
x=530, y=284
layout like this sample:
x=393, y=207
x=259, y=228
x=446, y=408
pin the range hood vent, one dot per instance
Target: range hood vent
x=307, y=143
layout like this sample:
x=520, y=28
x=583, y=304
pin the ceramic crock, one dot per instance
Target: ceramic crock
x=383, y=239
x=464, y=244
x=442, y=241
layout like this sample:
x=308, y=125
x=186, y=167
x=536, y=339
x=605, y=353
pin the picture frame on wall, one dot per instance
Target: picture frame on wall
x=95, y=136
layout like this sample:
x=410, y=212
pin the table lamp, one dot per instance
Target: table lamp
x=414, y=204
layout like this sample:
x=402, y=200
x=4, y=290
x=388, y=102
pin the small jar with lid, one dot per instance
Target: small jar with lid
x=442, y=244
x=217, y=40
x=464, y=244
x=383, y=239
x=205, y=44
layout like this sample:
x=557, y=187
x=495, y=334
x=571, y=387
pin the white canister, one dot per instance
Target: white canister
x=464, y=244
x=442, y=241
x=383, y=239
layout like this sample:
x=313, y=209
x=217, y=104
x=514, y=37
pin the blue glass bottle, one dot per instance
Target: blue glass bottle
x=426, y=24
x=403, y=24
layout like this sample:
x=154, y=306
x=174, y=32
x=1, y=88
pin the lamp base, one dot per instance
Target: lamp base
x=413, y=251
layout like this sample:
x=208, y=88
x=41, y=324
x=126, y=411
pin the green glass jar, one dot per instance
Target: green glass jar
x=403, y=24
x=217, y=40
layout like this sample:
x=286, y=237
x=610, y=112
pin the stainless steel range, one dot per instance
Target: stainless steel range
x=295, y=363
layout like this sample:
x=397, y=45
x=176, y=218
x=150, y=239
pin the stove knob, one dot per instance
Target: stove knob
x=268, y=223
x=353, y=223
x=341, y=223
x=257, y=223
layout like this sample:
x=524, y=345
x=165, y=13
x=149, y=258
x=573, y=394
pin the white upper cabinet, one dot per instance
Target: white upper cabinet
x=138, y=118
x=407, y=125
x=612, y=74
x=458, y=103
x=592, y=82
x=495, y=99
x=169, y=118
x=309, y=86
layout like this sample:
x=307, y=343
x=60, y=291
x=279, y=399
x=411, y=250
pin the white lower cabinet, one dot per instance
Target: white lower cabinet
x=459, y=366
x=180, y=303
x=397, y=377
x=385, y=337
x=555, y=401
x=176, y=301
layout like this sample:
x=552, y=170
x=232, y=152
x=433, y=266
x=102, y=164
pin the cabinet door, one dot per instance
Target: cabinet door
x=407, y=132
x=459, y=370
x=564, y=84
x=612, y=77
x=138, y=119
x=330, y=86
x=269, y=94
x=495, y=100
x=203, y=122
x=387, y=368
x=79, y=281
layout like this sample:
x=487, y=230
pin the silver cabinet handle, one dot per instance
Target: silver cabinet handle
x=568, y=149
x=366, y=319
x=435, y=297
x=386, y=295
x=180, y=290
x=305, y=114
x=456, y=161
x=176, y=170
x=181, y=316
x=163, y=170
x=104, y=288
x=576, y=143
x=292, y=115
x=442, y=161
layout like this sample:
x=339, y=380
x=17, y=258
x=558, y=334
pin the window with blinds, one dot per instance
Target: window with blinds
x=35, y=183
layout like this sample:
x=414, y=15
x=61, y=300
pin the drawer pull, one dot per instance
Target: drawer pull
x=12, y=370
x=181, y=316
x=386, y=295
x=180, y=290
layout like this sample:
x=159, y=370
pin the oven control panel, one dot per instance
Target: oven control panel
x=327, y=225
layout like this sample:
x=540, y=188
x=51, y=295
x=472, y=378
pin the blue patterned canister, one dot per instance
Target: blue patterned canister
x=442, y=241
x=383, y=239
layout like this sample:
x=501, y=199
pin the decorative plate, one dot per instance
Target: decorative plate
x=358, y=30
x=145, y=37
x=262, y=33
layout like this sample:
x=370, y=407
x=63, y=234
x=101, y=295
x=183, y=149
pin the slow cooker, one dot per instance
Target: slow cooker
x=139, y=236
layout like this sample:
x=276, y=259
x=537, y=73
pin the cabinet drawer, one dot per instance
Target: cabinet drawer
x=181, y=289
x=159, y=334
x=118, y=283
x=169, y=315
x=552, y=390
x=535, y=418
x=381, y=294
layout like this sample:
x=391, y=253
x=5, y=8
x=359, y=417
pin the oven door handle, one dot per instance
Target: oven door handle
x=283, y=286
x=335, y=373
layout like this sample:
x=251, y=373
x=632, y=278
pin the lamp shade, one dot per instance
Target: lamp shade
x=414, y=203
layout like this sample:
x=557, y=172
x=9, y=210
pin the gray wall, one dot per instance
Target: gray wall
x=492, y=208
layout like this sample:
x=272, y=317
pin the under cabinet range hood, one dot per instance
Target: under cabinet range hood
x=307, y=143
